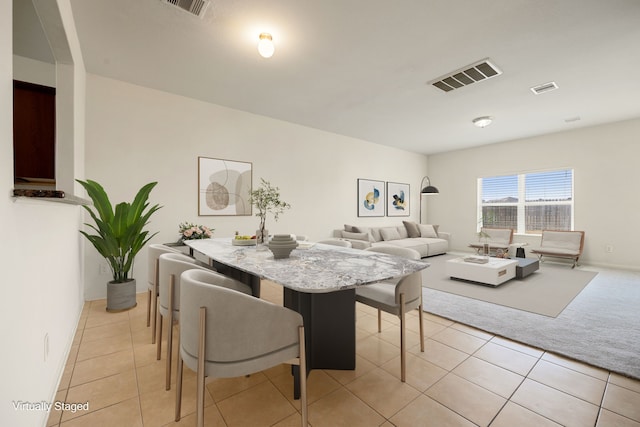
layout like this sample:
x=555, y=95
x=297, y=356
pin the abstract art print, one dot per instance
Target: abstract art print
x=370, y=197
x=223, y=187
x=397, y=199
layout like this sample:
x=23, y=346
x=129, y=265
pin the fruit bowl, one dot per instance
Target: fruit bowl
x=243, y=242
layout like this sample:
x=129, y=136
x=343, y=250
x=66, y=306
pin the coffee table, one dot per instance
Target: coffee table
x=494, y=273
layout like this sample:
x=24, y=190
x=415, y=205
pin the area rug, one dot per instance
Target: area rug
x=598, y=327
x=547, y=291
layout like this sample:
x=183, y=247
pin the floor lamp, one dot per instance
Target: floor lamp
x=429, y=190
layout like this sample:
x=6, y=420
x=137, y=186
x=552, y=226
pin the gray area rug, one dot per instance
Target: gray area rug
x=547, y=291
x=601, y=326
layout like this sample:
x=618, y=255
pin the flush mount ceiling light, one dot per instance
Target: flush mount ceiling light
x=265, y=45
x=483, y=121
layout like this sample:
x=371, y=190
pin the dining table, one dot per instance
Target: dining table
x=319, y=281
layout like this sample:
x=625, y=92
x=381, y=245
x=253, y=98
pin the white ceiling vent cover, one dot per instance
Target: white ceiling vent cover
x=481, y=70
x=194, y=7
x=543, y=88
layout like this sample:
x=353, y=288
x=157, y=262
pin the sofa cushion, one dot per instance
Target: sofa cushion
x=427, y=230
x=355, y=236
x=402, y=230
x=349, y=228
x=412, y=228
x=389, y=233
x=374, y=231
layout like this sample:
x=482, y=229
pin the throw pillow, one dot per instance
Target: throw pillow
x=355, y=236
x=349, y=228
x=389, y=233
x=412, y=228
x=427, y=230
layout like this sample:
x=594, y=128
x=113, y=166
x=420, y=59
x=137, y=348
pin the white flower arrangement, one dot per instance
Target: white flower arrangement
x=190, y=231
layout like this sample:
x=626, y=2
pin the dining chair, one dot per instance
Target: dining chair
x=396, y=297
x=171, y=266
x=153, y=254
x=226, y=333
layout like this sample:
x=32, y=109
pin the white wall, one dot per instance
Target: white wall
x=137, y=135
x=41, y=267
x=605, y=163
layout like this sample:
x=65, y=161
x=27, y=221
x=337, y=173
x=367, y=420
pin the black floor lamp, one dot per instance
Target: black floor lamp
x=429, y=190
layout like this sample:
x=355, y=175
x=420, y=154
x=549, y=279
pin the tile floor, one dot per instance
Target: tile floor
x=465, y=377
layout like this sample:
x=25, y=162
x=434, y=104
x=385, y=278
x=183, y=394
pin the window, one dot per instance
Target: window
x=528, y=203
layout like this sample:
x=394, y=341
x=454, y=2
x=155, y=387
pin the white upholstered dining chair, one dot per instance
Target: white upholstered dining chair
x=171, y=266
x=396, y=297
x=153, y=255
x=226, y=333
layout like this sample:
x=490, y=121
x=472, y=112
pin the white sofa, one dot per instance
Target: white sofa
x=423, y=238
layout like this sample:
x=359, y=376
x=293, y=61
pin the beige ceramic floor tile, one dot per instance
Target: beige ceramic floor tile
x=342, y=409
x=55, y=414
x=467, y=399
x=440, y=355
x=212, y=418
x=222, y=388
x=102, y=392
x=261, y=405
x=104, y=346
x=421, y=374
x=426, y=412
x=392, y=336
x=459, y=340
x=96, y=333
x=569, y=381
x=123, y=414
x=625, y=382
x=506, y=358
x=622, y=401
x=472, y=331
x=380, y=390
x=514, y=345
x=345, y=377
x=495, y=379
x=555, y=405
x=576, y=366
x=513, y=415
x=319, y=384
x=102, y=366
x=608, y=419
x=376, y=350
x=437, y=319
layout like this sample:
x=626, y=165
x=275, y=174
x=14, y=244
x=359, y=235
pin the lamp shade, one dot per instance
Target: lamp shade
x=428, y=189
x=265, y=45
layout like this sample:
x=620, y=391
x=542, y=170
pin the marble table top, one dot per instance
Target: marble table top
x=317, y=269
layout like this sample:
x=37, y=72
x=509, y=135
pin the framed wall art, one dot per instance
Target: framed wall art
x=397, y=199
x=371, y=200
x=223, y=187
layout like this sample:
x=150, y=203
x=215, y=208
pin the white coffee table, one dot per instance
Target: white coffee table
x=493, y=273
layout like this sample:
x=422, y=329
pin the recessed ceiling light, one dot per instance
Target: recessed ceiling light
x=544, y=88
x=483, y=121
x=265, y=45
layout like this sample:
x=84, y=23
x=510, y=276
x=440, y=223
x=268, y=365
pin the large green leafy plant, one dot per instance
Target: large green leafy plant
x=120, y=233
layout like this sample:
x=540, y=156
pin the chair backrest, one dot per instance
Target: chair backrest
x=153, y=253
x=336, y=242
x=411, y=285
x=244, y=334
x=172, y=264
x=565, y=240
x=498, y=236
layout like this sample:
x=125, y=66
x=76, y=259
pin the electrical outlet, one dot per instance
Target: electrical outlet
x=102, y=268
x=609, y=249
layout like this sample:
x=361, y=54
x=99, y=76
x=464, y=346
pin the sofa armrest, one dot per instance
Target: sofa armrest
x=444, y=235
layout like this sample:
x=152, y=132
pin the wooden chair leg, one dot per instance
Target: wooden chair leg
x=169, y=332
x=200, y=370
x=379, y=321
x=154, y=299
x=149, y=309
x=158, y=335
x=421, y=326
x=303, y=378
x=403, y=343
x=179, y=372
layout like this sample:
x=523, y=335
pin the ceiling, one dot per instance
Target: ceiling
x=360, y=68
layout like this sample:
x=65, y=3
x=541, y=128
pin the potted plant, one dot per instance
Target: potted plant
x=119, y=237
x=266, y=199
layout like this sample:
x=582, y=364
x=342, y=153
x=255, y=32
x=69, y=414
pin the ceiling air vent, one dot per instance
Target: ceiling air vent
x=194, y=7
x=481, y=70
x=546, y=87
